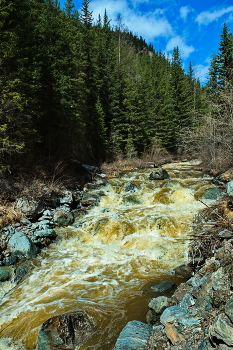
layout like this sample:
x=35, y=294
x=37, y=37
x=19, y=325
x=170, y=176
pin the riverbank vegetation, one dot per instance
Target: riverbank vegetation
x=72, y=88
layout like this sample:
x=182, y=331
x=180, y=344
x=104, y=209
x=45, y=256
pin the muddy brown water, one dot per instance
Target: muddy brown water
x=105, y=261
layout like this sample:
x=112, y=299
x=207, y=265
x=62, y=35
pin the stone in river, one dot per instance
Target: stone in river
x=133, y=336
x=67, y=331
x=163, y=286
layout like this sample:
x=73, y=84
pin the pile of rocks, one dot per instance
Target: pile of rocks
x=37, y=229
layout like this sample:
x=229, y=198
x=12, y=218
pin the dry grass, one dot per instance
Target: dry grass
x=122, y=163
x=209, y=222
x=8, y=215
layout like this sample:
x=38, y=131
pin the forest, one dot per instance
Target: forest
x=75, y=88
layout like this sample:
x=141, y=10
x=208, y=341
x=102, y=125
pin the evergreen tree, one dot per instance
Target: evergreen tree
x=225, y=57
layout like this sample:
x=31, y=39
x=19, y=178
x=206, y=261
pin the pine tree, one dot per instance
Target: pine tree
x=225, y=57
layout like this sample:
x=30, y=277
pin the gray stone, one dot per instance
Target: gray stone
x=63, y=218
x=26, y=222
x=188, y=322
x=20, y=245
x=50, y=233
x=230, y=190
x=163, y=286
x=222, y=329
x=159, y=174
x=132, y=200
x=67, y=198
x=158, y=304
x=225, y=234
x=21, y=271
x=187, y=301
x=10, y=260
x=211, y=193
x=205, y=344
x=229, y=309
x=216, y=281
x=4, y=274
x=172, y=314
x=67, y=331
x=133, y=336
x=130, y=187
x=183, y=271
x=32, y=209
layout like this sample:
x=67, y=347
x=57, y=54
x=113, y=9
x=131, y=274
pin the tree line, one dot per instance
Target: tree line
x=72, y=87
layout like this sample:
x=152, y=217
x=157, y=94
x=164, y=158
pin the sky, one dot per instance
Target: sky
x=192, y=25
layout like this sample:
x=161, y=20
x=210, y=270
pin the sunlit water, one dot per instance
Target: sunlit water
x=104, y=263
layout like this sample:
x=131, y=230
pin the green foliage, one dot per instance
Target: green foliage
x=72, y=88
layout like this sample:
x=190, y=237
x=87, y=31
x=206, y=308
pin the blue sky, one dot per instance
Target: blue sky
x=193, y=25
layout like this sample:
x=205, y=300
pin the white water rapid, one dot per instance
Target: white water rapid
x=105, y=261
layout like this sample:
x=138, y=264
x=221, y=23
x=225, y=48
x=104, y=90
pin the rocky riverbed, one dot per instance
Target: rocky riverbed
x=199, y=314
x=196, y=316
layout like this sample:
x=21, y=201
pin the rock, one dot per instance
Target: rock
x=189, y=322
x=205, y=344
x=226, y=176
x=218, y=280
x=32, y=209
x=26, y=222
x=173, y=335
x=229, y=309
x=133, y=336
x=159, y=174
x=4, y=274
x=222, y=329
x=130, y=187
x=211, y=193
x=163, y=286
x=10, y=260
x=230, y=190
x=158, y=304
x=172, y=314
x=183, y=271
x=152, y=318
x=45, y=233
x=132, y=200
x=67, y=198
x=67, y=331
x=21, y=246
x=21, y=271
x=49, y=197
x=62, y=217
x=225, y=234
x=187, y=301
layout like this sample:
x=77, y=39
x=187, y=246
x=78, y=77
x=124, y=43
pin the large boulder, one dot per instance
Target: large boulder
x=222, y=329
x=211, y=193
x=21, y=246
x=159, y=174
x=67, y=331
x=134, y=335
x=30, y=208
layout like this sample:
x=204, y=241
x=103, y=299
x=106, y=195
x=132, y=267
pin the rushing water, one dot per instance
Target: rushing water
x=104, y=263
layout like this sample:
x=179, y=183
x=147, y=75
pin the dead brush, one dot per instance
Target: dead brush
x=208, y=223
x=8, y=215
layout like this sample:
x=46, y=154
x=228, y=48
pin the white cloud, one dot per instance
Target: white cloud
x=201, y=72
x=184, y=11
x=185, y=50
x=208, y=16
x=149, y=25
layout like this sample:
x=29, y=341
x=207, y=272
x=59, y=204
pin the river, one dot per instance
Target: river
x=105, y=261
